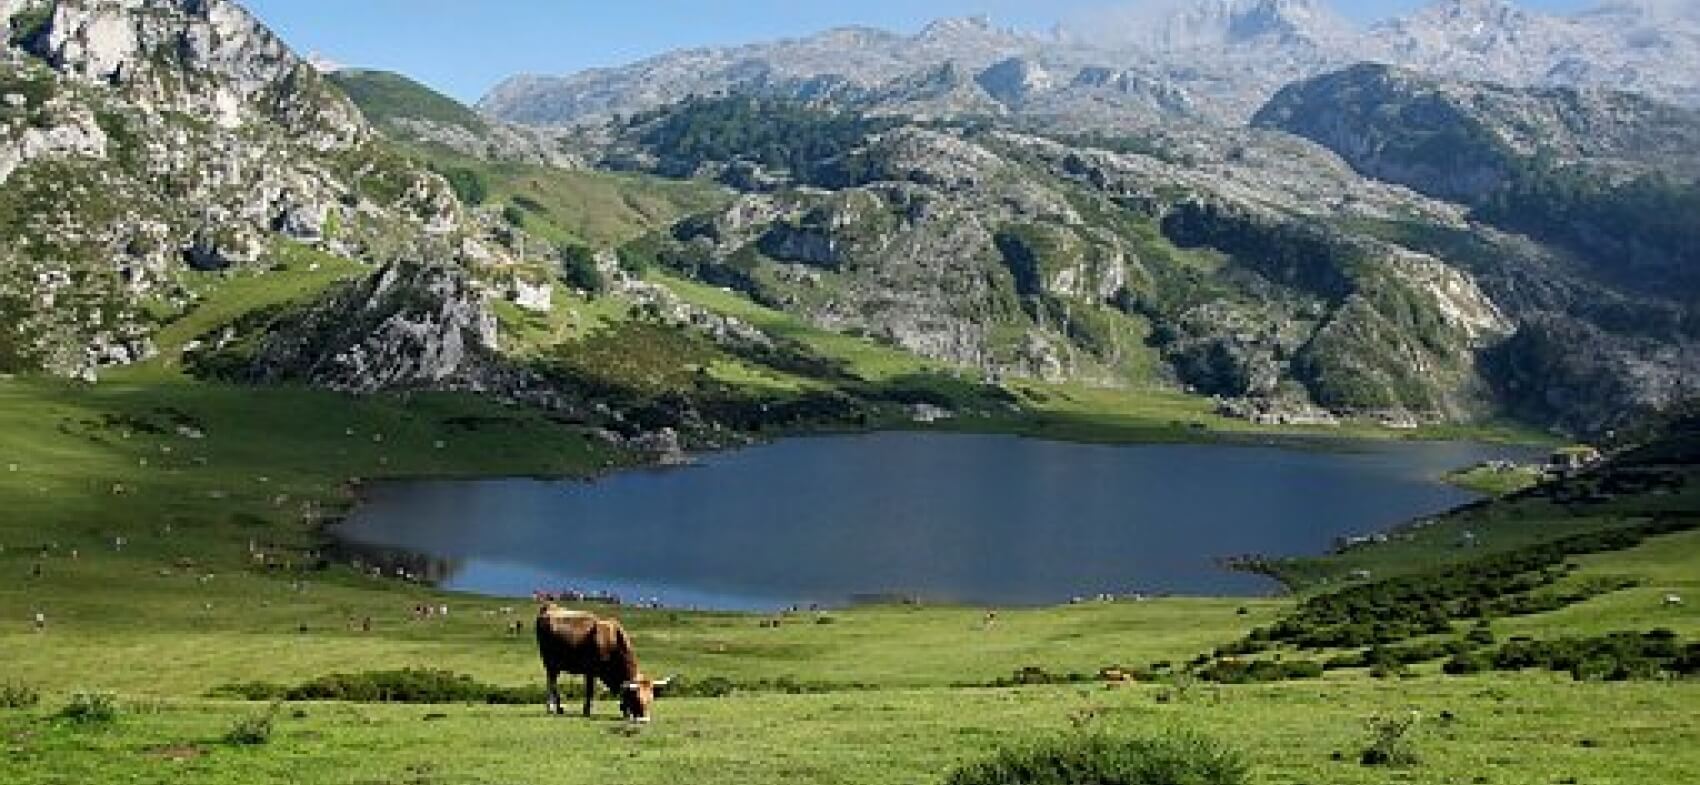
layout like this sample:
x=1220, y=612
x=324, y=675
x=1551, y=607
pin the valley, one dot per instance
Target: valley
x=1036, y=315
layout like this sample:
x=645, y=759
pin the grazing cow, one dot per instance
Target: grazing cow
x=580, y=643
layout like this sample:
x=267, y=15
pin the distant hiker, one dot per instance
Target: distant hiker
x=35, y=570
x=991, y=620
x=366, y=624
x=40, y=622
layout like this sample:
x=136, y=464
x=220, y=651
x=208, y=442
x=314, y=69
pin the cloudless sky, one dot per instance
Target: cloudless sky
x=464, y=47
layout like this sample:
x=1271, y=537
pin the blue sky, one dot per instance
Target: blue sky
x=463, y=47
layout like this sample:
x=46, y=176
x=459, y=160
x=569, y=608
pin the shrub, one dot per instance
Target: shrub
x=412, y=686
x=1391, y=740
x=18, y=695
x=1512, y=583
x=468, y=185
x=1613, y=657
x=255, y=691
x=29, y=24
x=711, y=687
x=90, y=708
x=579, y=270
x=1254, y=671
x=254, y=729
x=1171, y=759
x=1465, y=664
x=419, y=686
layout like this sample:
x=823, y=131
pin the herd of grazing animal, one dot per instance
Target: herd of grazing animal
x=599, y=650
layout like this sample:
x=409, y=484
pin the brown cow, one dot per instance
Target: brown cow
x=578, y=642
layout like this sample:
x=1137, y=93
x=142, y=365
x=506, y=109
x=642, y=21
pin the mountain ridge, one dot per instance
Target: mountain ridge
x=1227, y=56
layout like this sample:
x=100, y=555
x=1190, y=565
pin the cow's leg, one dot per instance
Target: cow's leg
x=589, y=692
x=554, y=704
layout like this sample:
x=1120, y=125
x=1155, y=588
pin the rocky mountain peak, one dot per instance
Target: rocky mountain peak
x=207, y=58
x=958, y=27
x=1016, y=79
x=1198, y=24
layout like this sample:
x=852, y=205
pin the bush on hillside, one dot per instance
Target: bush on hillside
x=468, y=184
x=1170, y=759
x=255, y=729
x=1512, y=583
x=411, y=686
x=1392, y=740
x=422, y=686
x=91, y=708
x=18, y=695
x=579, y=270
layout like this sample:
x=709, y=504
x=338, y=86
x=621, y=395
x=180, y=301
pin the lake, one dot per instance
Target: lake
x=990, y=520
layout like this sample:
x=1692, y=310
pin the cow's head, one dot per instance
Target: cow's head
x=637, y=695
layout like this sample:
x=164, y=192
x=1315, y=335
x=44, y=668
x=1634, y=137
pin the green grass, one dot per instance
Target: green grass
x=863, y=357
x=598, y=209
x=1507, y=730
x=385, y=97
x=297, y=273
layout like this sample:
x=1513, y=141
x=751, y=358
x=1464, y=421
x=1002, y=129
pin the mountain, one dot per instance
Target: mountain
x=966, y=203
x=1607, y=180
x=1215, y=59
x=1294, y=281
x=1644, y=47
x=156, y=155
x=182, y=196
x=857, y=57
x=1464, y=140
x=1608, y=175
x=1211, y=24
x=1236, y=264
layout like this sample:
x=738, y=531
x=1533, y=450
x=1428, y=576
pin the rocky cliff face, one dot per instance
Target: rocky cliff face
x=411, y=325
x=142, y=141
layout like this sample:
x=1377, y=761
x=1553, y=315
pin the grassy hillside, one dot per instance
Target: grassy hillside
x=598, y=209
x=385, y=97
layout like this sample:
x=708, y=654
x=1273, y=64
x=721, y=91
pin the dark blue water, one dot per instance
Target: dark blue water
x=972, y=519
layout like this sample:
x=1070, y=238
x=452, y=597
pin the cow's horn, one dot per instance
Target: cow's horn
x=667, y=681
x=628, y=686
